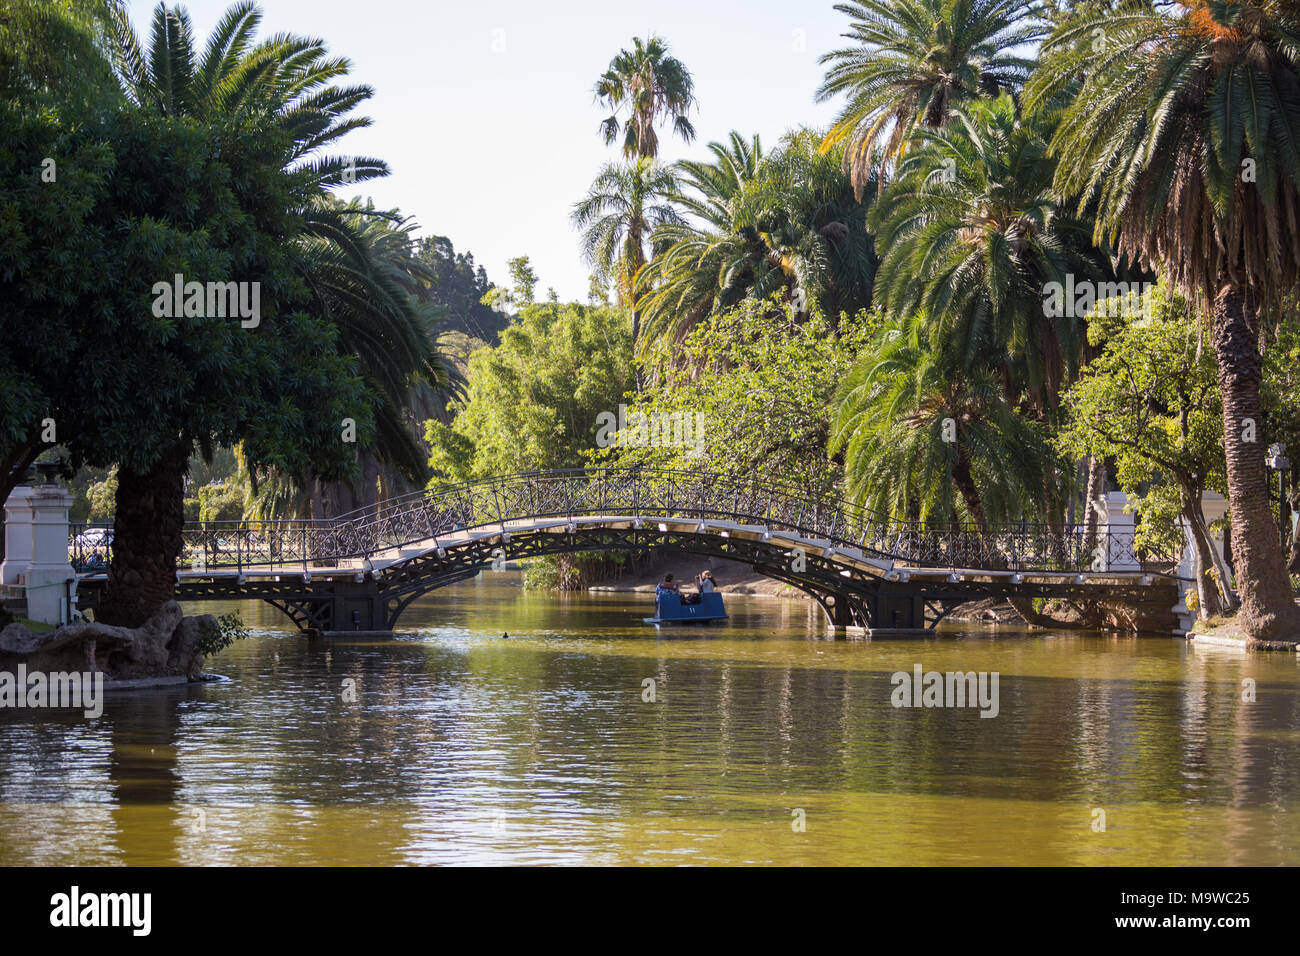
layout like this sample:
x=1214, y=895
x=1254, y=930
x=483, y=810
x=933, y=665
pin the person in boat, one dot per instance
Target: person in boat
x=669, y=586
x=704, y=584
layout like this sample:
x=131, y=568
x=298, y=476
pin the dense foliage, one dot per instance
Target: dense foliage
x=533, y=401
x=758, y=224
x=754, y=401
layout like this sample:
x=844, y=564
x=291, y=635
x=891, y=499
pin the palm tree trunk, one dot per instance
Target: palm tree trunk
x=636, y=334
x=965, y=482
x=634, y=258
x=146, y=539
x=1268, y=609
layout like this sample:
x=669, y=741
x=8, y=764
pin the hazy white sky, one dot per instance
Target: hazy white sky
x=484, y=108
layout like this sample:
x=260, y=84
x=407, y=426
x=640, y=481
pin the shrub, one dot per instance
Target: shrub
x=221, y=633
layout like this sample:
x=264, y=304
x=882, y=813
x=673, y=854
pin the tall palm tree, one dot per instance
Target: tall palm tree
x=924, y=440
x=626, y=203
x=912, y=61
x=1184, y=135
x=974, y=234
x=234, y=86
x=760, y=224
x=651, y=85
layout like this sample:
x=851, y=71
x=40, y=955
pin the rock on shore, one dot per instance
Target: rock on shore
x=167, y=645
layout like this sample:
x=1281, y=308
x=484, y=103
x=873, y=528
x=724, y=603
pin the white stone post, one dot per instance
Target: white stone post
x=18, y=535
x=36, y=548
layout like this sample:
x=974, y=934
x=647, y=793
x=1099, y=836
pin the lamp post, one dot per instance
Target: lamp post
x=1278, y=461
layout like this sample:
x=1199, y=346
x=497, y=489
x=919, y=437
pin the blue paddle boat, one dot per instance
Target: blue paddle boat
x=671, y=609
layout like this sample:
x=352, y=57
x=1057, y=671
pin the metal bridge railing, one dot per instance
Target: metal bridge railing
x=634, y=492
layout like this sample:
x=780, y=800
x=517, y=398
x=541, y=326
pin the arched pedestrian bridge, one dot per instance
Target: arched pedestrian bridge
x=359, y=571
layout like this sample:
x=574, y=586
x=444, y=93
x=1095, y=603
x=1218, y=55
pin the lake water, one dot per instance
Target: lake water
x=766, y=741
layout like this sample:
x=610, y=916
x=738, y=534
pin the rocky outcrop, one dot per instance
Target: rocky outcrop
x=167, y=645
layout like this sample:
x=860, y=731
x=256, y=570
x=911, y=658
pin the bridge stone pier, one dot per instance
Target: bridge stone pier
x=357, y=573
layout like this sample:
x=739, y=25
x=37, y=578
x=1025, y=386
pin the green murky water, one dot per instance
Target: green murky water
x=463, y=747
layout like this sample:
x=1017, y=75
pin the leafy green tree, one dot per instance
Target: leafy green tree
x=651, y=86
x=1150, y=403
x=102, y=496
x=753, y=404
x=523, y=287
x=1183, y=137
x=911, y=62
x=131, y=199
x=280, y=390
x=523, y=280
x=258, y=115
x=221, y=501
x=55, y=162
x=533, y=401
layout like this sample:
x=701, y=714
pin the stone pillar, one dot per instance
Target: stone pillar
x=18, y=534
x=36, y=547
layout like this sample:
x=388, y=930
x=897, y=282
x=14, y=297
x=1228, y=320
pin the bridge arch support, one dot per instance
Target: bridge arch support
x=847, y=596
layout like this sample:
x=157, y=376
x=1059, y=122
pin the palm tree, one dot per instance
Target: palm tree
x=624, y=206
x=975, y=234
x=367, y=282
x=235, y=87
x=651, y=85
x=912, y=61
x=1183, y=135
x=925, y=441
x=761, y=224
x=695, y=272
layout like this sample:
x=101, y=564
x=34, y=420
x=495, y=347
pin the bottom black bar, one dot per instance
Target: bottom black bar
x=335, y=905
